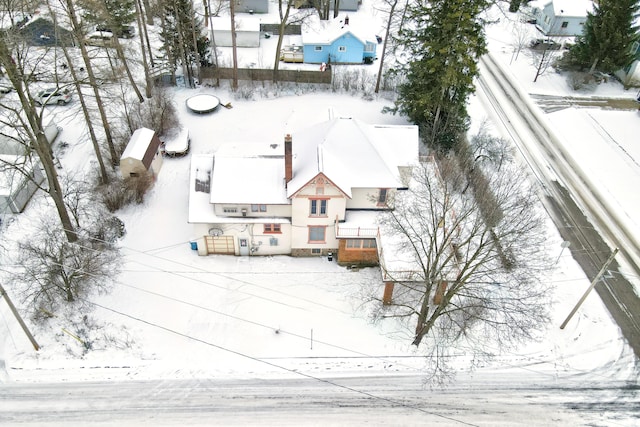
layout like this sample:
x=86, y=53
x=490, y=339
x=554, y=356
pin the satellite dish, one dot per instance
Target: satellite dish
x=215, y=232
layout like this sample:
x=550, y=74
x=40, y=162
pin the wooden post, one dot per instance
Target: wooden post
x=387, y=298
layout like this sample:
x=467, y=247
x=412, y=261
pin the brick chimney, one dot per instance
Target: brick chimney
x=288, y=167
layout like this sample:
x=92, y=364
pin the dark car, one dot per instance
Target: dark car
x=125, y=31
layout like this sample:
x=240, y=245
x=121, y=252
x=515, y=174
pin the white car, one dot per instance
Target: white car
x=53, y=96
x=100, y=39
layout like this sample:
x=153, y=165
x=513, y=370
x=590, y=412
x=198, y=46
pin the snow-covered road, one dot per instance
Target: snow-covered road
x=481, y=399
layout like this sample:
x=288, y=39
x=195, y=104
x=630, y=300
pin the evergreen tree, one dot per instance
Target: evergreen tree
x=444, y=39
x=608, y=35
x=114, y=14
x=182, y=35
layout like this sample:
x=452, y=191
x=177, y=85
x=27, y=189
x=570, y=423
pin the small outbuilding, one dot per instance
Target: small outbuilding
x=564, y=18
x=142, y=155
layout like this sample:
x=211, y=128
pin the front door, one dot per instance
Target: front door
x=244, y=246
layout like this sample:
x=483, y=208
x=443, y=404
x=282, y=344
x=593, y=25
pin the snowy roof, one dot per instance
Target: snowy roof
x=251, y=173
x=572, y=7
x=335, y=28
x=352, y=154
x=245, y=23
x=139, y=144
x=200, y=207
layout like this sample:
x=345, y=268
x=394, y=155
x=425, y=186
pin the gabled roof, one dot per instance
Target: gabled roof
x=249, y=173
x=352, y=154
x=331, y=31
x=142, y=146
x=572, y=8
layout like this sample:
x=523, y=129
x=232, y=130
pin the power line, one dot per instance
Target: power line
x=275, y=365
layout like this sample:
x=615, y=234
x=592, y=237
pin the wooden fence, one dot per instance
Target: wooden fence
x=260, y=74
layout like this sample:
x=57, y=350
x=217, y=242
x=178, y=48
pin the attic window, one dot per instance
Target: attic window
x=317, y=48
x=342, y=48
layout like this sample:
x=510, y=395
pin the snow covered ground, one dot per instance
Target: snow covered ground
x=173, y=314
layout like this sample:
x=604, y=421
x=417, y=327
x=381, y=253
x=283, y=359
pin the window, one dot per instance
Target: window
x=258, y=208
x=317, y=48
x=272, y=228
x=369, y=47
x=565, y=24
x=361, y=244
x=315, y=251
x=273, y=241
x=342, y=48
x=230, y=210
x=382, y=196
x=318, y=207
x=317, y=234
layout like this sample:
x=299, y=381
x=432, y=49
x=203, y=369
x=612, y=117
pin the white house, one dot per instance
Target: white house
x=313, y=193
x=561, y=17
x=247, y=31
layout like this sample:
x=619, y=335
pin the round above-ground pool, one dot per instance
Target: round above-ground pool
x=203, y=103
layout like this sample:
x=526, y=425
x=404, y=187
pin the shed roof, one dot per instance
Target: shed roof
x=142, y=146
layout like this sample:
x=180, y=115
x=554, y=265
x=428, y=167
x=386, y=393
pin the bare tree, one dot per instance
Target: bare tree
x=286, y=18
x=234, y=48
x=479, y=260
x=85, y=110
x=70, y=10
x=543, y=59
x=392, y=21
x=54, y=271
x=27, y=120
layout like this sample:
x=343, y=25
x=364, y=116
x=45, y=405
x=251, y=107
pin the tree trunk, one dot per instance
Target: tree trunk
x=77, y=29
x=234, y=84
x=384, y=45
x=127, y=70
x=39, y=142
x=147, y=78
x=281, y=29
x=149, y=12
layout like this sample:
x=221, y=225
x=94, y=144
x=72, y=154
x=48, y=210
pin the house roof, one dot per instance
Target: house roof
x=352, y=154
x=11, y=178
x=142, y=146
x=250, y=173
x=327, y=32
x=243, y=23
x=572, y=8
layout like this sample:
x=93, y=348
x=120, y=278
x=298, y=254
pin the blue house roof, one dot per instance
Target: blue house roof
x=338, y=42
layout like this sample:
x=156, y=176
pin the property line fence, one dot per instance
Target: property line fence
x=260, y=74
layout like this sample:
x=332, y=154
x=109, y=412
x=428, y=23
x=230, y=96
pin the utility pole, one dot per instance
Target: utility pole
x=12, y=307
x=593, y=285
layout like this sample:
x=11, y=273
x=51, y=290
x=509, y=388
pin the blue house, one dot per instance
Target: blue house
x=339, y=42
x=561, y=17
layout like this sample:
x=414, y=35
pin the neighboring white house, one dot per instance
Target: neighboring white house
x=142, y=155
x=19, y=179
x=247, y=31
x=561, y=17
x=14, y=146
x=312, y=194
